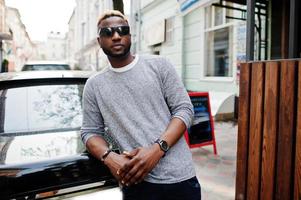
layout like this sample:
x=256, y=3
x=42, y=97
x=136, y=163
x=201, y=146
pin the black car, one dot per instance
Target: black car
x=41, y=153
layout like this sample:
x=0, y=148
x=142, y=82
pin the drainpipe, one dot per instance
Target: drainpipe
x=137, y=20
x=1, y=54
x=183, y=52
x=250, y=29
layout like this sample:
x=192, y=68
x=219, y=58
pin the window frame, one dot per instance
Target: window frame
x=169, y=30
x=210, y=28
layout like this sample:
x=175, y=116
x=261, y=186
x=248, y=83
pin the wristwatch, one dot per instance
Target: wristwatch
x=163, y=145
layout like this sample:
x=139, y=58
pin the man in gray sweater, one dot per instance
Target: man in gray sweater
x=146, y=109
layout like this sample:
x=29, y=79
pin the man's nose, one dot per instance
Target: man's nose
x=115, y=35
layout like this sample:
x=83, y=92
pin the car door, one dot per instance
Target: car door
x=41, y=153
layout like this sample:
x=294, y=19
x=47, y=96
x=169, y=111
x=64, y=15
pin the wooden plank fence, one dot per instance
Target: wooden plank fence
x=269, y=131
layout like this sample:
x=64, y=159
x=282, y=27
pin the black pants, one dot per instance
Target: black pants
x=185, y=190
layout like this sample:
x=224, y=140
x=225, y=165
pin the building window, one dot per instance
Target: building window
x=218, y=43
x=218, y=16
x=169, y=30
x=218, y=52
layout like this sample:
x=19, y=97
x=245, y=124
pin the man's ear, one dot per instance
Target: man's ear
x=98, y=40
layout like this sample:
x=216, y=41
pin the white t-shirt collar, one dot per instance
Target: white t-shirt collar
x=127, y=67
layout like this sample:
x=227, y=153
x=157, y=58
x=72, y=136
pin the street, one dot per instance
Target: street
x=216, y=173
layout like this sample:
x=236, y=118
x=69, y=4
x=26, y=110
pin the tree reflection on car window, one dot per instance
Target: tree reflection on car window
x=42, y=108
x=60, y=106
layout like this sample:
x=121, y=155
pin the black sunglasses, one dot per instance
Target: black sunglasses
x=109, y=31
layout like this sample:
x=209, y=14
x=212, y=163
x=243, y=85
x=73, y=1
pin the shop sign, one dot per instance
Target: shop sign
x=186, y=5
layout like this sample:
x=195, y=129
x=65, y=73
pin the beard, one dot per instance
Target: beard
x=109, y=53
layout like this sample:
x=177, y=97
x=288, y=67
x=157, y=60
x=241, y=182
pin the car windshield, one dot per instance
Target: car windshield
x=40, y=108
x=40, y=67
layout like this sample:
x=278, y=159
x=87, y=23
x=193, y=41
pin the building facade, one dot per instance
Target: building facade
x=20, y=49
x=70, y=40
x=41, y=50
x=2, y=15
x=83, y=48
x=56, y=46
x=205, y=45
x=4, y=31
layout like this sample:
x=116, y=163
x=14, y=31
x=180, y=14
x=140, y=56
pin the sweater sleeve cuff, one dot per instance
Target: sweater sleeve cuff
x=187, y=121
x=87, y=137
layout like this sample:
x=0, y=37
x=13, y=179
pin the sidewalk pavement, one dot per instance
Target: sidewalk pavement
x=217, y=173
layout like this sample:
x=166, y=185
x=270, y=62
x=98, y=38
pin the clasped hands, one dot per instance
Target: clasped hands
x=132, y=167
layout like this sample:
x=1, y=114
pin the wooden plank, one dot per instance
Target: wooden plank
x=243, y=131
x=286, y=128
x=270, y=122
x=255, y=131
x=297, y=183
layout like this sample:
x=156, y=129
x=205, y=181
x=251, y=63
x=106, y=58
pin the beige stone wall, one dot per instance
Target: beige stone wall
x=2, y=15
x=20, y=47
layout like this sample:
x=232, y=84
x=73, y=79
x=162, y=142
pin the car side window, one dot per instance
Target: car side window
x=40, y=67
x=42, y=108
x=40, y=123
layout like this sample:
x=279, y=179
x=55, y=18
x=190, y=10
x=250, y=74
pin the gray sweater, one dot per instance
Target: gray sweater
x=136, y=103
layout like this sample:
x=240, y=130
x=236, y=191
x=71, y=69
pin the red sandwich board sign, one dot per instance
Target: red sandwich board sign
x=201, y=132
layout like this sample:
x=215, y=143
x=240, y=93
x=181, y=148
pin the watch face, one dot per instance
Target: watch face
x=164, y=145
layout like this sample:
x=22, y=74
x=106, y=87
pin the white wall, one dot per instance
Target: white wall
x=152, y=12
x=70, y=42
x=192, y=45
x=41, y=51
